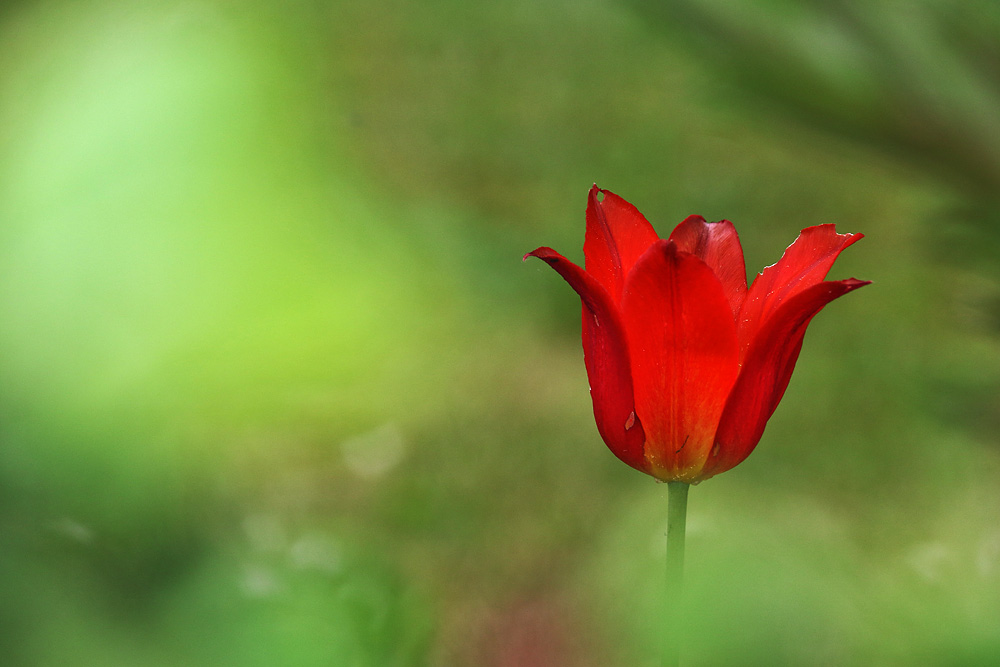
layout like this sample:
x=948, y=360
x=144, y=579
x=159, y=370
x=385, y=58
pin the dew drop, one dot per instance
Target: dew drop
x=630, y=422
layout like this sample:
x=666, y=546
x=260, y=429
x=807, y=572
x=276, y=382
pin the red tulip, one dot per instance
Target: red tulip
x=686, y=364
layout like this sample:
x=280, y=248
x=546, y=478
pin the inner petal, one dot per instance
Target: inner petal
x=684, y=356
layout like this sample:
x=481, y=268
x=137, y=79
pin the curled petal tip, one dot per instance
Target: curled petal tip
x=852, y=238
x=544, y=253
x=540, y=253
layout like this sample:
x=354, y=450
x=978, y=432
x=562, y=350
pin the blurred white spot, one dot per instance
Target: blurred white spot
x=698, y=523
x=74, y=530
x=373, y=454
x=259, y=582
x=316, y=552
x=264, y=532
x=988, y=556
x=928, y=560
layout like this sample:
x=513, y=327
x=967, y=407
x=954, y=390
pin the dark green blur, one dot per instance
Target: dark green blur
x=276, y=388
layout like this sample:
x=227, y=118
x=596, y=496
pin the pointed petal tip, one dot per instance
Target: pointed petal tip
x=595, y=195
x=849, y=237
x=543, y=253
x=852, y=238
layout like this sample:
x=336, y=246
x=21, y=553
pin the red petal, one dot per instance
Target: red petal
x=605, y=353
x=766, y=371
x=804, y=264
x=718, y=245
x=682, y=337
x=617, y=235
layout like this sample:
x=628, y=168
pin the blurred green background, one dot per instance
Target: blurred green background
x=277, y=389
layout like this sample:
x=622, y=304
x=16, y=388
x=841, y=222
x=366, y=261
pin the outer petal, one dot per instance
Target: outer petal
x=617, y=235
x=766, y=371
x=682, y=338
x=718, y=245
x=804, y=264
x=605, y=352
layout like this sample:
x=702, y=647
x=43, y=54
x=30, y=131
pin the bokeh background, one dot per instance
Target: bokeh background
x=276, y=388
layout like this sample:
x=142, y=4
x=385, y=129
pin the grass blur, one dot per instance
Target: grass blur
x=277, y=390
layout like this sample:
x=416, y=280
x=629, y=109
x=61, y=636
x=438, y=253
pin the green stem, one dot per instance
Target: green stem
x=677, y=496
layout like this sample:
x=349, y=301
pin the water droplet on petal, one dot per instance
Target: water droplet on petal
x=631, y=421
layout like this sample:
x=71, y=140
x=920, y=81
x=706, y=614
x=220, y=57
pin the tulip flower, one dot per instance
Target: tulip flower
x=686, y=363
